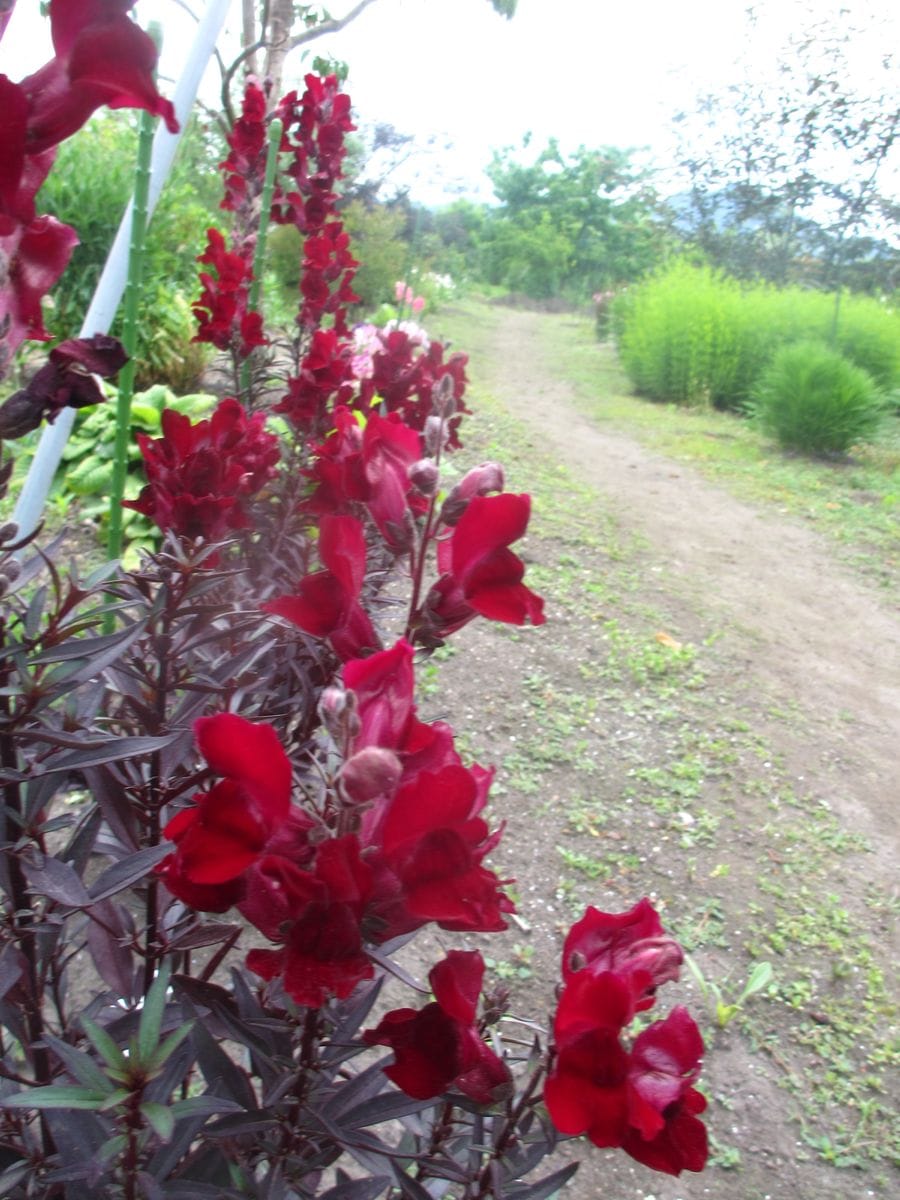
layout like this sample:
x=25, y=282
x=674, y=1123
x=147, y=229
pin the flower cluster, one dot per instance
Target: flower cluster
x=101, y=57
x=223, y=316
x=642, y=1099
x=200, y=477
x=405, y=295
x=399, y=842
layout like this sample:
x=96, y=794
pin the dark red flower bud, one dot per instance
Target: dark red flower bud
x=424, y=476
x=370, y=773
x=478, y=482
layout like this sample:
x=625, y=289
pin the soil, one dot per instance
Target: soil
x=796, y=666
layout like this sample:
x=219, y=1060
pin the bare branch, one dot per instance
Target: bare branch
x=332, y=25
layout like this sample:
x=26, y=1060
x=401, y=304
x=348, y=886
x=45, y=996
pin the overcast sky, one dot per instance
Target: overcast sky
x=588, y=72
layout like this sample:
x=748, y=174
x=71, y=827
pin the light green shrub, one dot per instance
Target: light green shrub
x=813, y=399
x=689, y=335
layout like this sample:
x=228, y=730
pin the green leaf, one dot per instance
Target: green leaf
x=725, y=1013
x=55, y=1097
x=172, y=1042
x=152, y=1016
x=79, y=1064
x=760, y=977
x=104, y=1045
x=160, y=1119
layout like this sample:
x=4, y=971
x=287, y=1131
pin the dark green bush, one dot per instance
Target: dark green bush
x=813, y=399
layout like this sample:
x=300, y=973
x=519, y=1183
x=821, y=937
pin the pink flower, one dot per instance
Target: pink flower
x=418, y=304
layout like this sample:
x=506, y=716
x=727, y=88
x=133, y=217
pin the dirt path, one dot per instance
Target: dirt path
x=751, y=789
x=810, y=633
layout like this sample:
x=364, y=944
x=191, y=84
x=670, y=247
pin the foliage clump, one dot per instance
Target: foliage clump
x=812, y=399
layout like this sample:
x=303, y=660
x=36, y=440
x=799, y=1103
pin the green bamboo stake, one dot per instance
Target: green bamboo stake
x=259, y=254
x=136, y=256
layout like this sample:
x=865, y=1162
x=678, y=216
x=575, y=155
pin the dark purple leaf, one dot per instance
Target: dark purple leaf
x=109, y=792
x=357, y=1189
x=209, y=933
x=12, y=967
x=389, y=1106
x=107, y=943
x=127, y=872
x=545, y=1187
x=408, y=1186
x=95, y=648
x=56, y=880
x=108, y=750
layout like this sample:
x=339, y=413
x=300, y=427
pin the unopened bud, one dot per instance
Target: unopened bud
x=443, y=398
x=337, y=710
x=8, y=532
x=435, y=434
x=371, y=773
x=11, y=570
x=424, y=476
x=477, y=482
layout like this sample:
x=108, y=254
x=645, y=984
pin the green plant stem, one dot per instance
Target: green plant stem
x=259, y=254
x=136, y=256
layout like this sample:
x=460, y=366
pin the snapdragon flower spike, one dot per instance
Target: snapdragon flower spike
x=227, y=830
x=642, y=1098
x=479, y=573
x=439, y=1047
x=245, y=167
x=326, y=603
x=201, y=476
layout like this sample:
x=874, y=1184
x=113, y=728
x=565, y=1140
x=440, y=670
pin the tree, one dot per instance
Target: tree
x=570, y=224
x=785, y=171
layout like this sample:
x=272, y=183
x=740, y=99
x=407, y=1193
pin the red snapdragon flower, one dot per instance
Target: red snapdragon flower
x=433, y=841
x=228, y=829
x=384, y=685
x=322, y=954
x=664, y=1130
x=102, y=57
x=479, y=573
x=67, y=380
x=326, y=603
x=632, y=944
x=439, y=1046
x=201, y=476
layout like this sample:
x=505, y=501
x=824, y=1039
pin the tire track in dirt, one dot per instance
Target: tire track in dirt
x=809, y=633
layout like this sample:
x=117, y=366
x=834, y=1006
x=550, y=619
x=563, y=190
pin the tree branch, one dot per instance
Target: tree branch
x=332, y=25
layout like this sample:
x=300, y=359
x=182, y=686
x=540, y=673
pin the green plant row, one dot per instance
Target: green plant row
x=690, y=335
